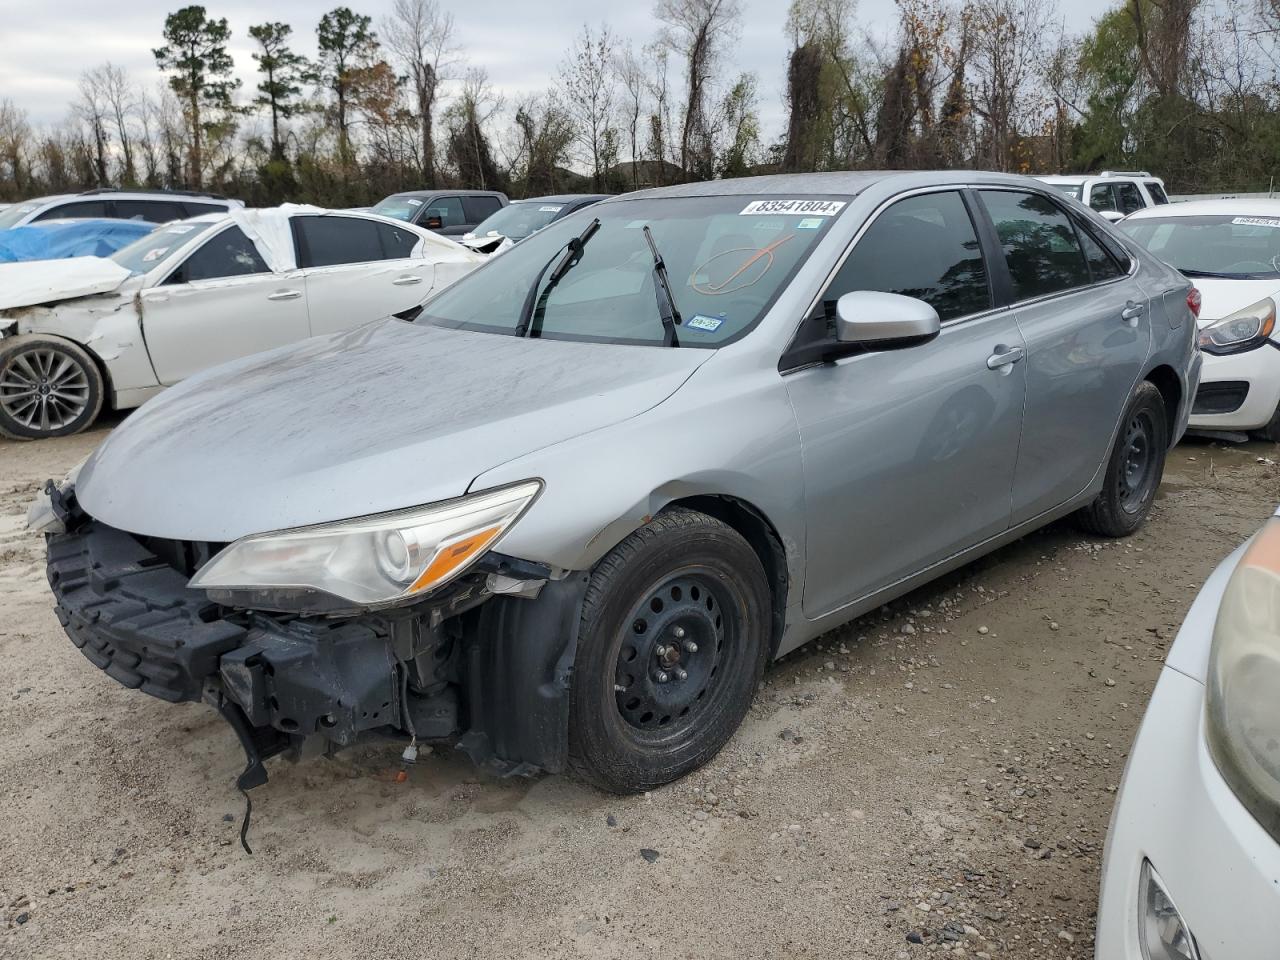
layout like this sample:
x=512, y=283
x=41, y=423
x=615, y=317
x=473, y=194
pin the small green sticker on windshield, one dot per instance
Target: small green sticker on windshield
x=810, y=223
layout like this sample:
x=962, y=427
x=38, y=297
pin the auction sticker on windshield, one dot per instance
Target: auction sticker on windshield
x=1256, y=222
x=809, y=208
x=703, y=322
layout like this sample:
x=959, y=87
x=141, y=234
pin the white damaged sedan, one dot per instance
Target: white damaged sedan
x=79, y=334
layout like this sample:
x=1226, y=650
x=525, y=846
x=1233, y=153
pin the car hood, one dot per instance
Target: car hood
x=1221, y=298
x=387, y=416
x=30, y=282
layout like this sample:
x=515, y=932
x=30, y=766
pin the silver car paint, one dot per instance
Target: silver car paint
x=354, y=425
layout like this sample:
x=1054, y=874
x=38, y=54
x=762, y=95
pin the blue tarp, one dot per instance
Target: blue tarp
x=58, y=239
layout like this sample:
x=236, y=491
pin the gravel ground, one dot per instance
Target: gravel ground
x=935, y=777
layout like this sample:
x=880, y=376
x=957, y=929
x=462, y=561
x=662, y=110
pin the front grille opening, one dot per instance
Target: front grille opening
x=185, y=556
x=1224, y=396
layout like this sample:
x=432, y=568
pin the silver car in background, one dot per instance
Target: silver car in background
x=567, y=516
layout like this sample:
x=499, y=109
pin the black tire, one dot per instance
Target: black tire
x=49, y=387
x=684, y=580
x=1271, y=432
x=1134, y=468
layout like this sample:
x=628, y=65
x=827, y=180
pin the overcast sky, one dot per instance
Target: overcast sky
x=47, y=44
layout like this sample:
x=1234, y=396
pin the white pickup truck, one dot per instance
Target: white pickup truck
x=1113, y=193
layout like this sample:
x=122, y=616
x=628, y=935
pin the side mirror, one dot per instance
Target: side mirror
x=433, y=223
x=1111, y=215
x=884, y=319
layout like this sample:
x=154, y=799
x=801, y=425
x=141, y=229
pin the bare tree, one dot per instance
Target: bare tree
x=587, y=80
x=114, y=101
x=697, y=30
x=92, y=110
x=1005, y=62
x=15, y=142
x=630, y=73
x=420, y=37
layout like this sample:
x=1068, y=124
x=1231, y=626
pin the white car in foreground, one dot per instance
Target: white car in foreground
x=1192, y=863
x=77, y=334
x=1231, y=249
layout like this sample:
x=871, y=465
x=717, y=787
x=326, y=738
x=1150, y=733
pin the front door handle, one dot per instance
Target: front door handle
x=406, y=281
x=285, y=295
x=1132, y=311
x=1004, y=358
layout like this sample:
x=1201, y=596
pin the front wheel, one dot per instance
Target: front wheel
x=672, y=643
x=1134, y=469
x=48, y=388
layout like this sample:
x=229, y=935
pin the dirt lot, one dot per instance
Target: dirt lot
x=943, y=772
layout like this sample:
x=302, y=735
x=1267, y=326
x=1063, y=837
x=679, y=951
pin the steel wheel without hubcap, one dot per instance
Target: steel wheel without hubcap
x=672, y=652
x=44, y=389
x=1136, y=474
x=674, y=633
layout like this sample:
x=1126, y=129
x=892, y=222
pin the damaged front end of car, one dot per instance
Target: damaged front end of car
x=483, y=658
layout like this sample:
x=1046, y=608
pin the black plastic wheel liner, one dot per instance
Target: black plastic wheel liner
x=519, y=670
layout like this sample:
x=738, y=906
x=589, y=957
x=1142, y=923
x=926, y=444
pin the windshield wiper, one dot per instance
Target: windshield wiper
x=667, y=309
x=535, y=307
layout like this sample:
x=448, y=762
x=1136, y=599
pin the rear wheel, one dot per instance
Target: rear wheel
x=48, y=388
x=1271, y=432
x=672, y=644
x=1134, y=470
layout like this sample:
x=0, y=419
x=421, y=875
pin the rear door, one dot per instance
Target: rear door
x=909, y=454
x=358, y=269
x=479, y=209
x=221, y=303
x=1086, y=324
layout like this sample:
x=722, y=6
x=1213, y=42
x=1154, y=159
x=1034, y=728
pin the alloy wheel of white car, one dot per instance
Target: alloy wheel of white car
x=48, y=388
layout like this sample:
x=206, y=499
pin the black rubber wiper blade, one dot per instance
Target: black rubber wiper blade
x=534, y=306
x=667, y=309
x=1208, y=274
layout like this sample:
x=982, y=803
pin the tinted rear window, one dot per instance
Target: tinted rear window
x=1040, y=243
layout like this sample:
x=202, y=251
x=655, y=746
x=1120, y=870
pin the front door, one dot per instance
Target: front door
x=221, y=303
x=909, y=454
x=1087, y=327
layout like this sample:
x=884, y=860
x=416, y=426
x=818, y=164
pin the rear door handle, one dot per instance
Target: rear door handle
x=1004, y=357
x=285, y=295
x=406, y=281
x=1132, y=311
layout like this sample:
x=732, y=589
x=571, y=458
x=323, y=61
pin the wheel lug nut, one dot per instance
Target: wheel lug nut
x=662, y=676
x=681, y=675
x=660, y=650
x=690, y=646
x=679, y=633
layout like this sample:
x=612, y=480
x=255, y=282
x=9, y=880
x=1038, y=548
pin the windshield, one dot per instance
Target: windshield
x=1235, y=247
x=727, y=259
x=398, y=208
x=519, y=219
x=143, y=254
x=10, y=217
x=1072, y=190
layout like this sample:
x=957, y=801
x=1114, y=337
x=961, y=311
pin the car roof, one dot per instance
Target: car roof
x=839, y=183
x=1064, y=178
x=1241, y=207
x=564, y=198
x=448, y=193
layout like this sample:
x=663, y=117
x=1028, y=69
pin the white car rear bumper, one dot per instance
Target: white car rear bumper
x=1260, y=369
x=1221, y=869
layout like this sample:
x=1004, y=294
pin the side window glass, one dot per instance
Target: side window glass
x=195, y=209
x=1130, y=197
x=480, y=208
x=80, y=209
x=923, y=247
x=1158, y=196
x=1101, y=197
x=396, y=242
x=330, y=241
x=1101, y=265
x=1040, y=245
x=153, y=211
x=448, y=209
x=229, y=254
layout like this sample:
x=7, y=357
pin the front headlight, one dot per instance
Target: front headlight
x=1242, y=330
x=1242, y=718
x=373, y=561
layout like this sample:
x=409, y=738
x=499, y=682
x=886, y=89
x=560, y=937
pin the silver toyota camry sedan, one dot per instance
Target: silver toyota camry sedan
x=565, y=514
